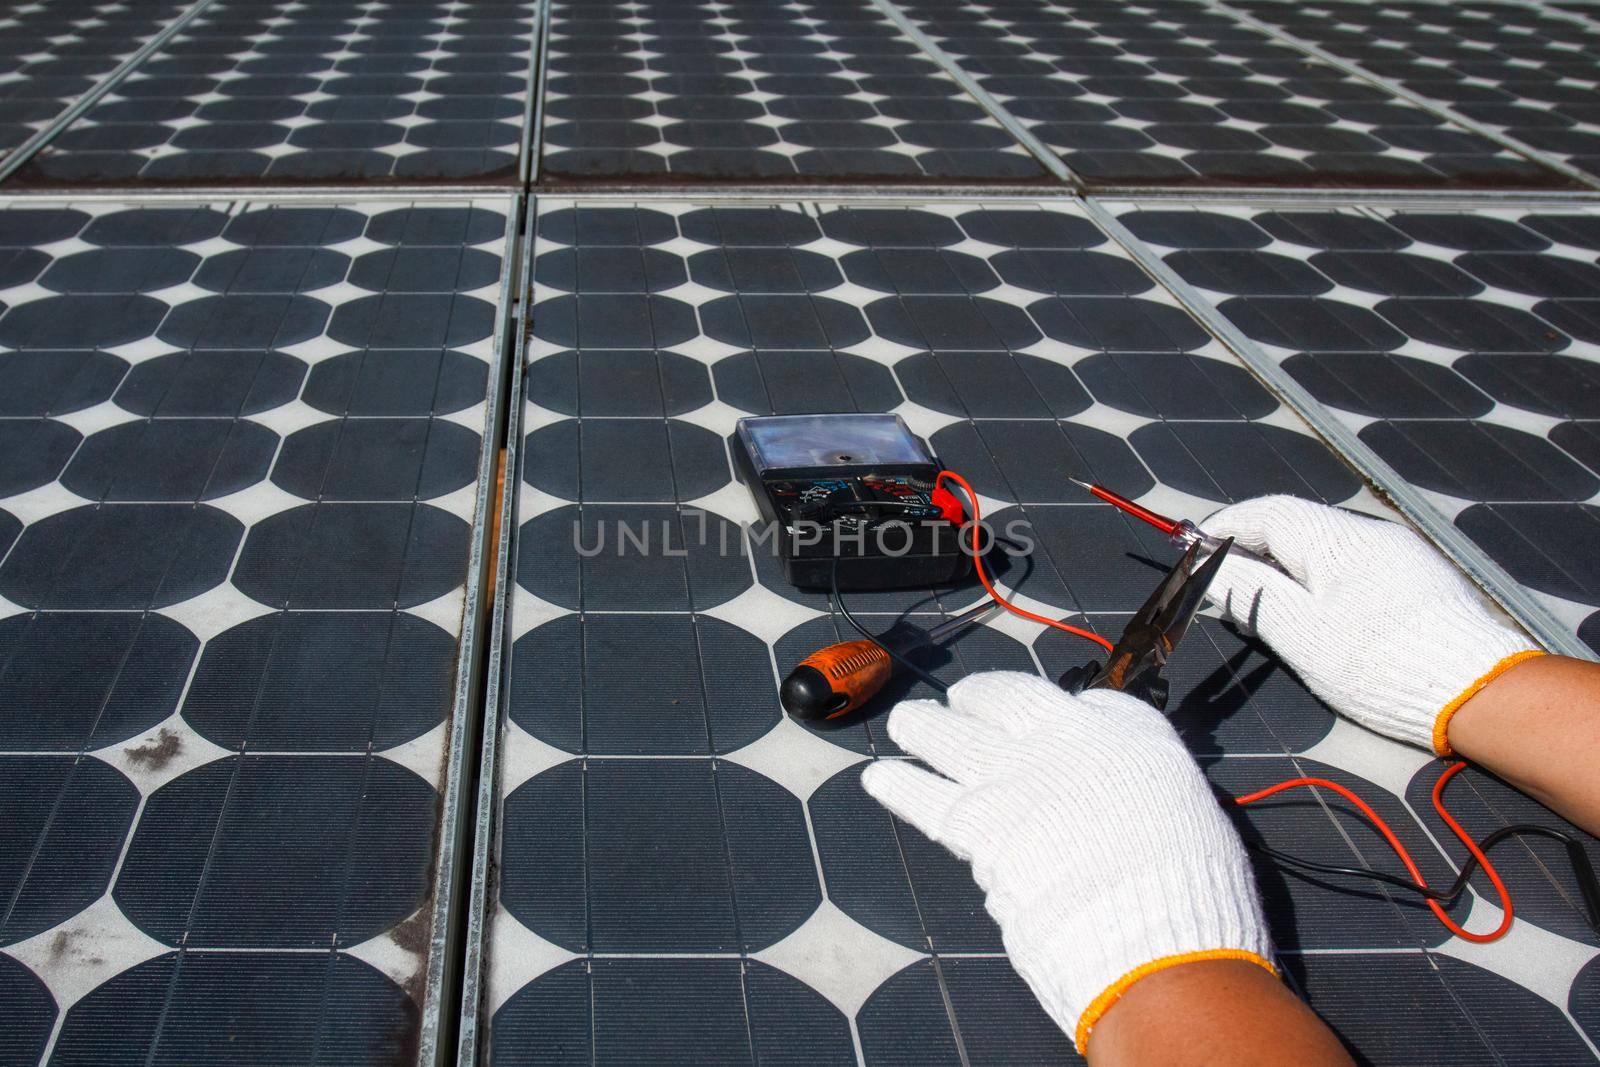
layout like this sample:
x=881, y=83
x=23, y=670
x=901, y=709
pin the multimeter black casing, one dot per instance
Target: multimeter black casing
x=856, y=489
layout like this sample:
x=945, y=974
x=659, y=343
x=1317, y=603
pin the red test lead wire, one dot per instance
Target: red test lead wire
x=983, y=577
x=1405, y=856
x=1171, y=527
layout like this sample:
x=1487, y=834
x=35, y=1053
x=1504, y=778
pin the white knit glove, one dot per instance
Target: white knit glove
x=1375, y=621
x=1103, y=853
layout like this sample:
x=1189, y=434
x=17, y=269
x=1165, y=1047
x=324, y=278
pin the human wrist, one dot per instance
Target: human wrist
x=1210, y=1012
x=1471, y=728
x=1492, y=688
x=1152, y=999
x=1151, y=972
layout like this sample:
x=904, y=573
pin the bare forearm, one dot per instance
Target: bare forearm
x=1538, y=727
x=1210, y=1013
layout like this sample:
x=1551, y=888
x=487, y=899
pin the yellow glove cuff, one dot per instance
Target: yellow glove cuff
x=1441, y=725
x=1113, y=993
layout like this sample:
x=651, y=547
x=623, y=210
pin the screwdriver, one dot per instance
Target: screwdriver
x=1180, y=532
x=837, y=680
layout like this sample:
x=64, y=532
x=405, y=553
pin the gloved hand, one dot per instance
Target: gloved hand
x=1374, y=620
x=1103, y=853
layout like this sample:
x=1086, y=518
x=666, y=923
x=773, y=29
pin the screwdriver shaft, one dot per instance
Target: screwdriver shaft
x=961, y=622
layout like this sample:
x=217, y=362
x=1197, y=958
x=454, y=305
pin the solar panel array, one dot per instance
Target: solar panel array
x=288, y=783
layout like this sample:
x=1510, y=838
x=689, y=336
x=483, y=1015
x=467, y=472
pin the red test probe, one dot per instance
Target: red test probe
x=1180, y=532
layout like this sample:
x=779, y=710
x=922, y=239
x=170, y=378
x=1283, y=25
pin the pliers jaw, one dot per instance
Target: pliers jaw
x=1135, y=662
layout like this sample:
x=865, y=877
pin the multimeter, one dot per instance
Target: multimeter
x=854, y=492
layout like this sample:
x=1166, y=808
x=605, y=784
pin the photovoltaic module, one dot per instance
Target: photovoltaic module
x=319, y=749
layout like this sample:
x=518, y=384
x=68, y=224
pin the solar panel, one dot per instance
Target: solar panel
x=52, y=55
x=1172, y=92
x=246, y=460
x=1524, y=70
x=815, y=90
x=330, y=92
x=1459, y=344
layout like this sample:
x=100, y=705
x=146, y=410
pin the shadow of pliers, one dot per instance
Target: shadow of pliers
x=1134, y=665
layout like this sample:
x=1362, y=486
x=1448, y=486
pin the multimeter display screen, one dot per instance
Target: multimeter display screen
x=787, y=442
x=870, y=497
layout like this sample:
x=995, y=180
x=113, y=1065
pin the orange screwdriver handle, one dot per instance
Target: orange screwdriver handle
x=836, y=680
